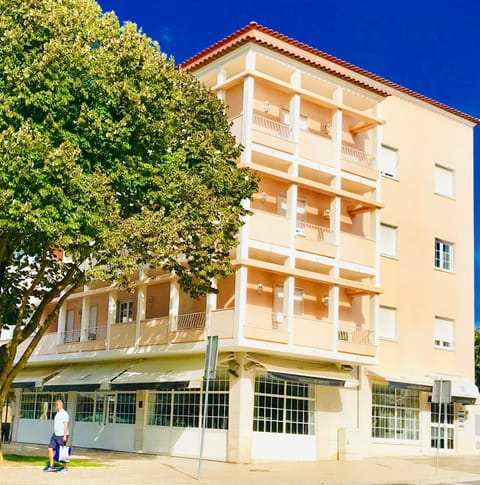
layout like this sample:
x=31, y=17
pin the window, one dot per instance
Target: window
x=395, y=413
x=6, y=333
x=442, y=430
x=183, y=408
x=120, y=407
x=389, y=162
x=283, y=406
x=40, y=405
x=444, y=181
x=125, y=311
x=387, y=323
x=443, y=255
x=285, y=118
x=444, y=333
x=388, y=240
x=278, y=300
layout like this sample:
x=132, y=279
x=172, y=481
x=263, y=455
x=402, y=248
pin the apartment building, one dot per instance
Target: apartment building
x=351, y=298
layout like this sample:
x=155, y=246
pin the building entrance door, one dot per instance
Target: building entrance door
x=442, y=430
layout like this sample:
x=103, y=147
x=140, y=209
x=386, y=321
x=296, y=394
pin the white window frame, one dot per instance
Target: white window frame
x=385, y=251
x=387, y=318
x=444, y=333
x=392, y=170
x=444, y=255
x=125, y=306
x=444, y=177
x=279, y=300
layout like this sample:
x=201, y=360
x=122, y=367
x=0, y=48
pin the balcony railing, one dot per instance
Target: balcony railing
x=272, y=127
x=70, y=336
x=355, y=335
x=190, y=320
x=314, y=233
x=98, y=333
x=359, y=157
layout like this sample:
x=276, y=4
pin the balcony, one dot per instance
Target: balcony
x=314, y=239
x=357, y=249
x=309, y=332
x=270, y=228
x=263, y=324
x=271, y=133
x=358, y=162
x=354, y=340
x=316, y=148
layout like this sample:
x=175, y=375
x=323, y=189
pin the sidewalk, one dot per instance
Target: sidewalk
x=137, y=469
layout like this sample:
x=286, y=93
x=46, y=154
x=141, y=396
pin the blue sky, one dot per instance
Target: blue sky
x=429, y=46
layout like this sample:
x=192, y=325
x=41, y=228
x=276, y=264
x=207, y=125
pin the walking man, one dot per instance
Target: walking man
x=59, y=436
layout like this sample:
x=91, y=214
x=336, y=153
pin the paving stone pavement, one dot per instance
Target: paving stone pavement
x=140, y=469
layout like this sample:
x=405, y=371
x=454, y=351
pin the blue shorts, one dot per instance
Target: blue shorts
x=56, y=441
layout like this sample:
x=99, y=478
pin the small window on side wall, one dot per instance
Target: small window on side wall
x=389, y=162
x=388, y=240
x=444, y=255
x=444, y=333
x=444, y=181
x=387, y=323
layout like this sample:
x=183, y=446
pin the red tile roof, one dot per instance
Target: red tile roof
x=247, y=34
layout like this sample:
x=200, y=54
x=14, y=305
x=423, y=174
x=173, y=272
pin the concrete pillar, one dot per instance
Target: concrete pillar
x=71, y=409
x=240, y=418
x=241, y=280
x=142, y=397
x=112, y=314
x=62, y=321
x=174, y=304
x=85, y=322
x=141, y=304
x=210, y=305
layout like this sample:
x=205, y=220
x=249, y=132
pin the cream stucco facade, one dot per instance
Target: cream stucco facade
x=352, y=291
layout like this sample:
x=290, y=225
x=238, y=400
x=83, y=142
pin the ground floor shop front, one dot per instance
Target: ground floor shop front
x=256, y=408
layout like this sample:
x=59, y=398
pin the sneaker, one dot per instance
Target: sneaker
x=62, y=470
x=49, y=468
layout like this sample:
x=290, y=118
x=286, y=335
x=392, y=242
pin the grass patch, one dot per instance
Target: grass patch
x=42, y=460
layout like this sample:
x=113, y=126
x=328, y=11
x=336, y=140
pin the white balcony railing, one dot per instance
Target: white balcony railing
x=190, y=320
x=355, y=335
x=98, y=333
x=314, y=233
x=358, y=156
x=272, y=127
x=70, y=336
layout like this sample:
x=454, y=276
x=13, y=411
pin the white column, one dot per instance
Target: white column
x=112, y=313
x=141, y=304
x=241, y=281
x=240, y=412
x=62, y=321
x=174, y=304
x=292, y=196
x=85, y=321
x=337, y=134
x=288, y=302
x=141, y=404
x=333, y=304
x=210, y=305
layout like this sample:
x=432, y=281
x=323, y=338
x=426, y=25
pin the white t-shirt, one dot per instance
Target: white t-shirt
x=60, y=418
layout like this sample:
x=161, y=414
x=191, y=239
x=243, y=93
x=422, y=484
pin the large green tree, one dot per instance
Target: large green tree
x=110, y=153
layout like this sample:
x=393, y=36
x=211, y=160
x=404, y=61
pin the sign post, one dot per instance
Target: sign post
x=211, y=357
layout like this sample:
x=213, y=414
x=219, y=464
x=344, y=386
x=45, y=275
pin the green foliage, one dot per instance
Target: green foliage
x=110, y=153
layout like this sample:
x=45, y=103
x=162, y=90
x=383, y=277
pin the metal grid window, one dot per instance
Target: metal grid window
x=39, y=405
x=91, y=407
x=126, y=408
x=283, y=407
x=442, y=429
x=443, y=255
x=184, y=407
x=395, y=413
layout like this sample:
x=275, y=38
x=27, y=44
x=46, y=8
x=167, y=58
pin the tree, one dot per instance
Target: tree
x=110, y=156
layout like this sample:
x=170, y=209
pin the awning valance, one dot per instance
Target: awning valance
x=161, y=374
x=305, y=372
x=463, y=390
x=33, y=377
x=403, y=381
x=86, y=377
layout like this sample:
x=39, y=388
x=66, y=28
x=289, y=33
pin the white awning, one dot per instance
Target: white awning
x=86, y=377
x=161, y=374
x=462, y=388
x=403, y=381
x=307, y=372
x=33, y=377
